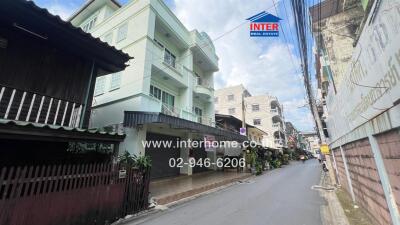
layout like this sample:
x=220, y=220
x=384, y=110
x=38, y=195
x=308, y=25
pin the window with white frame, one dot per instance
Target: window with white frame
x=199, y=113
x=89, y=25
x=155, y=92
x=122, y=32
x=231, y=97
x=216, y=99
x=100, y=86
x=165, y=97
x=115, y=81
x=257, y=121
x=255, y=107
x=231, y=111
x=169, y=58
x=168, y=99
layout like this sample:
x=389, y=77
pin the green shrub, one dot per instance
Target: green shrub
x=276, y=163
x=128, y=161
x=259, y=168
x=285, y=160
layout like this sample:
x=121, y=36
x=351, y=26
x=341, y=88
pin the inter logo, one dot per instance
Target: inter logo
x=264, y=25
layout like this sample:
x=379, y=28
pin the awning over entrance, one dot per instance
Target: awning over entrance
x=135, y=118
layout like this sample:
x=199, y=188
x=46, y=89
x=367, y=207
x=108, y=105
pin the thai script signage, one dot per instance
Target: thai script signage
x=372, y=82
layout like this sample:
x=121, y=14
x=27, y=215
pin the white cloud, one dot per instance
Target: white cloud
x=263, y=65
x=60, y=8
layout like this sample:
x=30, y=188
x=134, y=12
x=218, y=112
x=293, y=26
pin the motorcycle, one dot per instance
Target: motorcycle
x=303, y=158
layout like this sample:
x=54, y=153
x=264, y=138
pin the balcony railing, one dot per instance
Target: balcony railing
x=20, y=105
x=166, y=61
x=276, y=125
x=183, y=114
x=202, y=82
x=274, y=111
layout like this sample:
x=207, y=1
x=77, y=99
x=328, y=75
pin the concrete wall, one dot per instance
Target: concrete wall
x=389, y=144
x=365, y=179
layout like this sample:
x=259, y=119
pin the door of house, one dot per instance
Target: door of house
x=199, y=153
x=161, y=155
x=199, y=113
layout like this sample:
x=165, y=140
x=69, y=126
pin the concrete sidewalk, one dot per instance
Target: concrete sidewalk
x=169, y=190
x=332, y=213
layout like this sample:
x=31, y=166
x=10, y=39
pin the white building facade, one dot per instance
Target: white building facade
x=171, y=74
x=263, y=111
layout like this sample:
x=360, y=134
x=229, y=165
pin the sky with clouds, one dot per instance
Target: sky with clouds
x=263, y=65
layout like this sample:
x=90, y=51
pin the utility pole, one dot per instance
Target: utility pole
x=244, y=126
x=243, y=113
x=316, y=116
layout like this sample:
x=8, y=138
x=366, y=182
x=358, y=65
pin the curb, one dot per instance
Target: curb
x=185, y=194
x=136, y=217
x=332, y=212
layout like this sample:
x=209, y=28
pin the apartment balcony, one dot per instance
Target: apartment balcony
x=275, y=112
x=179, y=112
x=277, y=127
x=203, y=89
x=21, y=105
x=167, y=67
x=203, y=51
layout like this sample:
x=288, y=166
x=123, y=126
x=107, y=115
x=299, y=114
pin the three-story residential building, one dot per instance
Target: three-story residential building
x=262, y=111
x=167, y=91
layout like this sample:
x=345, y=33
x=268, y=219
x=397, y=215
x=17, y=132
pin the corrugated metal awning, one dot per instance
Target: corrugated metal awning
x=28, y=130
x=134, y=118
x=28, y=16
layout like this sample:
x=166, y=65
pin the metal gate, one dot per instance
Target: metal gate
x=70, y=194
x=160, y=155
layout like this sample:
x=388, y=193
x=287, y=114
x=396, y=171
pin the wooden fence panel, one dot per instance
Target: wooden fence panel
x=70, y=194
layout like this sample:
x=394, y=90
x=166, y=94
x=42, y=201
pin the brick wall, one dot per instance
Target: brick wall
x=365, y=179
x=341, y=170
x=389, y=144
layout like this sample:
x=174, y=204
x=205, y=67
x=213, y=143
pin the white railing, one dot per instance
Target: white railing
x=205, y=120
x=202, y=82
x=184, y=114
x=27, y=106
x=206, y=46
x=170, y=110
x=168, y=62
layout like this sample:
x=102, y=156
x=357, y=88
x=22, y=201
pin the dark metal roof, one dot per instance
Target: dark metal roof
x=134, y=118
x=236, y=120
x=63, y=34
x=11, y=128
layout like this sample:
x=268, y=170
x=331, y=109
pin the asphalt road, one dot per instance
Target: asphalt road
x=279, y=197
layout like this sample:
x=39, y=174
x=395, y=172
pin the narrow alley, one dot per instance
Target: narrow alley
x=282, y=196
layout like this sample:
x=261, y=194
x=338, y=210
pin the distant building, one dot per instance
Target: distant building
x=262, y=111
x=292, y=135
x=312, y=141
x=234, y=124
